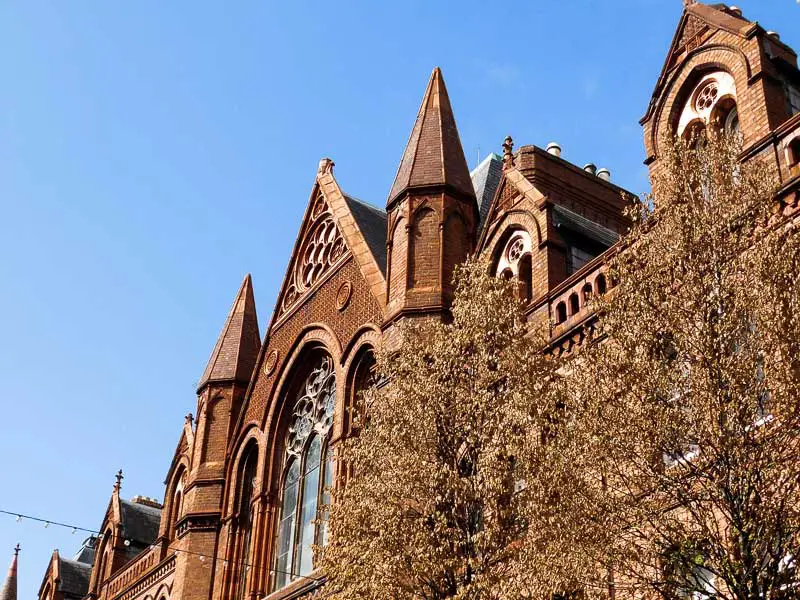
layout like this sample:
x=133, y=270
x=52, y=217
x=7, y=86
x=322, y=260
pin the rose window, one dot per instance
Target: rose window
x=707, y=96
x=324, y=246
x=516, y=249
x=313, y=411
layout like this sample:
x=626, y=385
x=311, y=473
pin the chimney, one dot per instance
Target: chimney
x=147, y=501
x=590, y=168
x=554, y=149
x=604, y=174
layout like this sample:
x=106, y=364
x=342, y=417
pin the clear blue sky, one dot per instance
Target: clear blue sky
x=152, y=153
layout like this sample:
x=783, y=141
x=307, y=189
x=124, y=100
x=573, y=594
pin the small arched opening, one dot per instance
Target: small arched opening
x=561, y=313
x=574, y=304
x=600, y=285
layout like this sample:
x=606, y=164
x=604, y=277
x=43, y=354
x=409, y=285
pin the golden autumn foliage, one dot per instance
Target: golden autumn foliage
x=662, y=461
x=677, y=466
x=432, y=504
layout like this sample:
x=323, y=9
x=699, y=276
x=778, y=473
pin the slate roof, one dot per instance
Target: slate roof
x=563, y=217
x=86, y=553
x=372, y=223
x=74, y=577
x=237, y=347
x=433, y=155
x=485, y=180
x=140, y=523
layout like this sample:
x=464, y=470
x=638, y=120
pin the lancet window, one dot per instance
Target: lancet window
x=307, y=475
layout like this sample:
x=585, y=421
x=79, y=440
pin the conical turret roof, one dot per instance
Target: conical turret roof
x=9, y=589
x=433, y=155
x=237, y=347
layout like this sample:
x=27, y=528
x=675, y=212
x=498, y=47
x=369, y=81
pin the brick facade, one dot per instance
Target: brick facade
x=357, y=270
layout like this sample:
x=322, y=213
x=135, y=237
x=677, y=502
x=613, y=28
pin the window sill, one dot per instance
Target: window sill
x=298, y=587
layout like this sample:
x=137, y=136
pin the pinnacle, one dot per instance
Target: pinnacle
x=433, y=155
x=9, y=589
x=236, y=350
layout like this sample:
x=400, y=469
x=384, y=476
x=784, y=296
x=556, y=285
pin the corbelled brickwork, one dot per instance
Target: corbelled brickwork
x=358, y=270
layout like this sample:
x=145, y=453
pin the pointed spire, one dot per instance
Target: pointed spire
x=433, y=156
x=9, y=589
x=237, y=347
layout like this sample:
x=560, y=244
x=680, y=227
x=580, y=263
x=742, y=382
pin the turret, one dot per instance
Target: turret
x=432, y=211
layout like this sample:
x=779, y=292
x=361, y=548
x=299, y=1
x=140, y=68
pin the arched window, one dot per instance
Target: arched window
x=307, y=475
x=794, y=152
x=526, y=278
x=561, y=312
x=574, y=304
x=176, y=506
x=711, y=103
x=245, y=482
x=586, y=292
x=600, y=285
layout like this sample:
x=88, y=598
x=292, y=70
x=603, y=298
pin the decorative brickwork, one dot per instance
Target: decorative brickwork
x=356, y=271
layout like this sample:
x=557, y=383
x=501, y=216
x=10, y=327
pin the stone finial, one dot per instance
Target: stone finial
x=325, y=166
x=508, y=152
x=189, y=419
x=16, y=550
x=119, y=477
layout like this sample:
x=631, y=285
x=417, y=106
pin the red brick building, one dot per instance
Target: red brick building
x=249, y=473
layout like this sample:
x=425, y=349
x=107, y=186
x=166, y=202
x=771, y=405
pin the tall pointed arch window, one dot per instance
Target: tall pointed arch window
x=244, y=509
x=307, y=475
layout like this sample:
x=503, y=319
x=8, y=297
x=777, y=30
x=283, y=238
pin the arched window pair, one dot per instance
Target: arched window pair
x=711, y=104
x=307, y=475
x=515, y=262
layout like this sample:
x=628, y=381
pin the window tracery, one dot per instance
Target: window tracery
x=711, y=104
x=308, y=475
x=322, y=247
x=515, y=262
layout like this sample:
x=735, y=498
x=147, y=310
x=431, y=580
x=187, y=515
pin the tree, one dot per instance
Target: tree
x=676, y=463
x=431, y=504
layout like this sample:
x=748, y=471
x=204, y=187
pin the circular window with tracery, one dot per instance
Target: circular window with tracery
x=707, y=96
x=516, y=249
x=313, y=410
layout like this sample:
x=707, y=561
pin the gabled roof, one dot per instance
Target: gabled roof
x=73, y=577
x=371, y=222
x=695, y=20
x=9, y=589
x=139, y=522
x=237, y=347
x=486, y=179
x=433, y=155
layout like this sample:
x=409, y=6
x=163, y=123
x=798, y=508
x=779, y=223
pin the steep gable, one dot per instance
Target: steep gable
x=334, y=227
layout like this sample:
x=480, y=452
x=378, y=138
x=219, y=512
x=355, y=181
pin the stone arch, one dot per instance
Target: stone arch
x=678, y=87
x=251, y=434
x=171, y=513
x=515, y=219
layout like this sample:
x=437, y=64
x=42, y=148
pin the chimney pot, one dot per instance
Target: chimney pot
x=604, y=174
x=775, y=35
x=554, y=149
x=590, y=168
x=736, y=10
